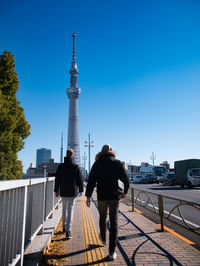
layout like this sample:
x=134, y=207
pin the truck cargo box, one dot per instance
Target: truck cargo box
x=181, y=168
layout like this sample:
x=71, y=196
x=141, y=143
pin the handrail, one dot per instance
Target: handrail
x=11, y=184
x=24, y=206
x=173, y=198
x=159, y=209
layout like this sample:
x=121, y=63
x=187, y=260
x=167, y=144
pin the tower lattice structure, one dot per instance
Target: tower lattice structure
x=73, y=93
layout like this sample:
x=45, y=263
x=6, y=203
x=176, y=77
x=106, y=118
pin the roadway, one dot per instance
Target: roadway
x=189, y=194
x=190, y=214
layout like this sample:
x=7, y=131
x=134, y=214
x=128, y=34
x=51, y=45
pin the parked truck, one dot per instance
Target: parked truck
x=187, y=172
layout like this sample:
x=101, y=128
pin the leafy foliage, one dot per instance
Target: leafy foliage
x=13, y=126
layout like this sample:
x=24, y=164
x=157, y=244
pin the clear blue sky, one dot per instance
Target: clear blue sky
x=139, y=72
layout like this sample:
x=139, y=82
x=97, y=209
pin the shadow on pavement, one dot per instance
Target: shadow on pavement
x=172, y=260
x=96, y=262
x=90, y=247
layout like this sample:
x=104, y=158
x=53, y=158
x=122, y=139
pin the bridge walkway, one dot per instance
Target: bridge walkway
x=139, y=241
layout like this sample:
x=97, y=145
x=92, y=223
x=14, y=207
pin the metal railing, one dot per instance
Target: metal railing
x=24, y=207
x=172, y=209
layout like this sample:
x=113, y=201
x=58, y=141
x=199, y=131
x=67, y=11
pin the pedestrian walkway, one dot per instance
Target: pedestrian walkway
x=139, y=242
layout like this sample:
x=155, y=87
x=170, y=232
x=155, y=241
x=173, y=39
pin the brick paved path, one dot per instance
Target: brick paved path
x=139, y=241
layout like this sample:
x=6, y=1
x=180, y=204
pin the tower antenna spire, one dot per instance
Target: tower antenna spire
x=74, y=47
x=73, y=93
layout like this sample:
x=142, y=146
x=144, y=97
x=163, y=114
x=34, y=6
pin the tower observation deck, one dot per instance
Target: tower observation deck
x=73, y=93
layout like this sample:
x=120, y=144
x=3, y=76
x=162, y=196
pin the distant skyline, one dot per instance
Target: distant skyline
x=139, y=74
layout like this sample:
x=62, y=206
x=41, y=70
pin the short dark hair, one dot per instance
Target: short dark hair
x=70, y=153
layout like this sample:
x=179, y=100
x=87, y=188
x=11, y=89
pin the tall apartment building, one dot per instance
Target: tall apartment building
x=43, y=155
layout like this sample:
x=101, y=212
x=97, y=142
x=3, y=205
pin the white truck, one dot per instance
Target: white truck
x=187, y=172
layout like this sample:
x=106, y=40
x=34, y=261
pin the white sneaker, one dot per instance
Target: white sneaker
x=103, y=242
x=112, y=256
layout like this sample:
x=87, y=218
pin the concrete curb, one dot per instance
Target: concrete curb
x=34, y=252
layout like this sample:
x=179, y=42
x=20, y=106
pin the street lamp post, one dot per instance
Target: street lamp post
x=45, y=171
x=84, y=158
x=89, y=145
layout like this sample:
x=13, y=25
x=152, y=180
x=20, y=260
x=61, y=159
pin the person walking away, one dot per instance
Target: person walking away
x=104, y=173
x=68, y=185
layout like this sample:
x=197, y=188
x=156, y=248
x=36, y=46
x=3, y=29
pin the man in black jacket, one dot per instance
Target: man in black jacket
x=68, y=184
x=104, y=173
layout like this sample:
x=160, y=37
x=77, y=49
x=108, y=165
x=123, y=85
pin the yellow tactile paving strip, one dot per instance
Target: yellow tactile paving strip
x=93, y=251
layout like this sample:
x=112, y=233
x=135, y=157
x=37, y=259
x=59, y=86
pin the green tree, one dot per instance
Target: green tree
x=13, y=126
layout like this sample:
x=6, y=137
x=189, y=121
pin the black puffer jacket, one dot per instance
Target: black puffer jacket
x=104, y=173
x=69, y=180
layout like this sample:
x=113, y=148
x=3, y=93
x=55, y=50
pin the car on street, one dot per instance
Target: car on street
x=169, y=179
x=160, y=178
x=138, y=179
x=150, y=178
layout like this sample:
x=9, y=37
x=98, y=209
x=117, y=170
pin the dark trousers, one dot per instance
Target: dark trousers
x=113, y=206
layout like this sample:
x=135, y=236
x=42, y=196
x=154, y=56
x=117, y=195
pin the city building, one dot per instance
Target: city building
x=50, y=167
x=31, y=172
x=73, y=93
x=132, y=170
x=43, y=155
x=166, y=164
x=144, y=164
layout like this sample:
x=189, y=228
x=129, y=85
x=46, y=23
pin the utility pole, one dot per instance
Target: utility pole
x=89, y=145
x=84, y=159
x=153, y=158
x=61, y=149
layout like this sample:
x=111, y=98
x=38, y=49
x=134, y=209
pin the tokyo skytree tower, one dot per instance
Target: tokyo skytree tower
x=73, y=93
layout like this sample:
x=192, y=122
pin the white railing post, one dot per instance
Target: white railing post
x=43, y=201
x=23, y=225
x=43, y=207
x=52, y=188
